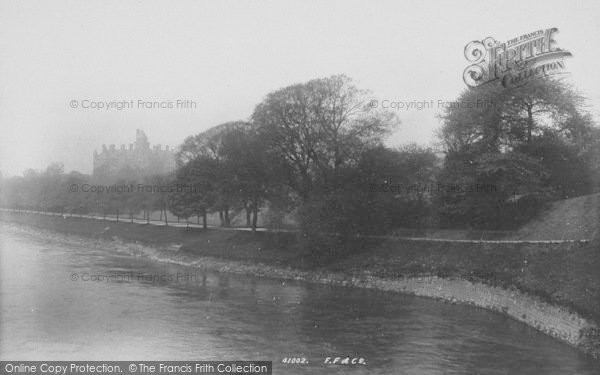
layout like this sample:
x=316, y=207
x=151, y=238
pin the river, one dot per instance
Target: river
x=61, y=300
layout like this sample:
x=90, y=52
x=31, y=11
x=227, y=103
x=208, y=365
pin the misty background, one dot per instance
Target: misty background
x=227, y=55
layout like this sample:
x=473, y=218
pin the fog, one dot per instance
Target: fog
x=223, y=57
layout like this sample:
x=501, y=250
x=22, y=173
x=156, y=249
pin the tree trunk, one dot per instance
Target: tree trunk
x=254, y=217
x=221, y=218
x=204, y=220
x=529, y=124
x=248, y=219
x=166, y=221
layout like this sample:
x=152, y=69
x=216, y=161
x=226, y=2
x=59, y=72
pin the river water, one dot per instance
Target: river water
x=61, y=300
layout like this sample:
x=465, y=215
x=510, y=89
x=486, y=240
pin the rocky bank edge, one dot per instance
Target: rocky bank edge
x=556, y=321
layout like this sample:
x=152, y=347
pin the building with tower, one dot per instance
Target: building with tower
x=138, y=159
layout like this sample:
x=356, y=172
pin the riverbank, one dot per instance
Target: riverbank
x=534, y=283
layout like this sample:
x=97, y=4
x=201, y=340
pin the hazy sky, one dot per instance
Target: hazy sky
x=227, y=55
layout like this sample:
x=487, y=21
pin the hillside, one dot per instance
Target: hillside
x=568, y=219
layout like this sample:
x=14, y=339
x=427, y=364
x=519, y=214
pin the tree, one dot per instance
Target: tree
x=179, y=204
x=523, y=141
x=76, y=201
x=569, y=172
x=481, y=190
x=51, y=192
x=386, y=189
x=253, y=172
x=209, y=145
x=319, y=127
x=490, y=118
x=193, y=192
x=155, y=192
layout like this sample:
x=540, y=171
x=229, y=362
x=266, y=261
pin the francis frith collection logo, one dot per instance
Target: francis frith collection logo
x=514, y=62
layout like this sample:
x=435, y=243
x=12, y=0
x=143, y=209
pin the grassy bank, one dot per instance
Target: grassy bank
x=565, y=274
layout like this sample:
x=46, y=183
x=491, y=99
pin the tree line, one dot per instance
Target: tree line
x=316, y=150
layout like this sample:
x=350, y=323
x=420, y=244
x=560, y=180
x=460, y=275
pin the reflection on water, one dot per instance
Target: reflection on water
x=154, y=311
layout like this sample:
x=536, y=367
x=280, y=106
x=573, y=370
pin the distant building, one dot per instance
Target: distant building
x=138, y=159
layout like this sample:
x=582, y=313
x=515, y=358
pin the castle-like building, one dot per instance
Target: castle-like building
x=139, y=159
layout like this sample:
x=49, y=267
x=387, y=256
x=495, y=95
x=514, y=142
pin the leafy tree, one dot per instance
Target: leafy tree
x=319, y=127
x=193, y=192
x=209, y=145
x=385, y=190
x=156, y=190
x=568, y=171
x=523, y=140
x=253, y=172
x=76, y=201
x=490, y=118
